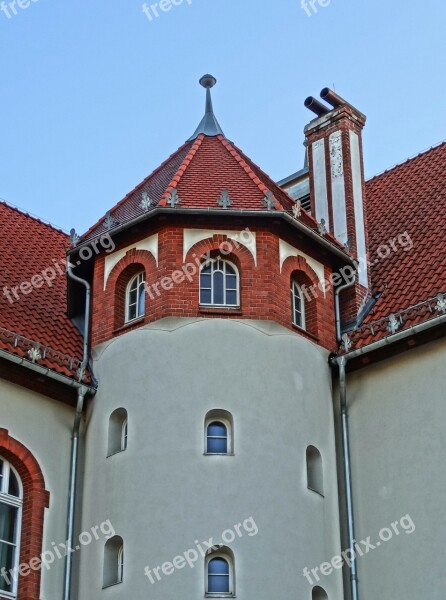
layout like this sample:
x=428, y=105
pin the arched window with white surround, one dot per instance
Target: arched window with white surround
x=219, y=284
x=135, y=299
x=319, y=593
x=298, y=305
x=219, y=432
x=11, y=500
x=315, y=475
x=220, y=573
x=118, y=429
x=113, y=561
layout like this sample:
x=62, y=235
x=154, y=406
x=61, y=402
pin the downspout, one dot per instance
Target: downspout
x=346, y=442
x=75, y=438
x=342, y=362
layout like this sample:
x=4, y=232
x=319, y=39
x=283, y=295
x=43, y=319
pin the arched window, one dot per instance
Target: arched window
x=319, y=594
x=113, y=561
x=135, y=299
x=219, y=284
x=11, y=500
x=315, y=476
x=117, y=431
x=219, y=435
x=298, y=305
x=219, y=567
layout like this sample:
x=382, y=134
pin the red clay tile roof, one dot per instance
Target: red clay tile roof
x=406, y=204
x=199, y=171
x=28, y=247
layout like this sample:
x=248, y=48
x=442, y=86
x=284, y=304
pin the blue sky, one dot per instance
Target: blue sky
x=95, y=95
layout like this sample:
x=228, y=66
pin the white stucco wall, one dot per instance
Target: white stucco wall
x=397, y=423
x=44, y=427
x=162, y=493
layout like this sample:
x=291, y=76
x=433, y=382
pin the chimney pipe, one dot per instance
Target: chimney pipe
x=332, y=98
x=317, y=107
x=336, y=101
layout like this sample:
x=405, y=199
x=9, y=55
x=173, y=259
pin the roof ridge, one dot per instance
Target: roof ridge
x=136, y=188
x=407, y=160
x=236, y=153
x=25, y=213
x=173, y=184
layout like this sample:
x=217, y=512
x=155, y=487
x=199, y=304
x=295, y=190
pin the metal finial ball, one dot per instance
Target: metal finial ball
x=208, y=81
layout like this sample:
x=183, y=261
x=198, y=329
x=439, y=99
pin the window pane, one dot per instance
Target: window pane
x=218, y=566
x=217, y=446
x=142, y=301
x=13, y=485
x=217, y=429
x=231, y=282
x=132, y=297
x=207, y=268
x=219, y=583
x=132, y=312
x=205, y=297
x=231, y=298
x=8, y=515
x=230, y=269
x=218, y=288
x=205, y=280
x=7, y=563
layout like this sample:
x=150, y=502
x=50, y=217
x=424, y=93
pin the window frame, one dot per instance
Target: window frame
x=128, y=290
x=212, y=304
x=224, y=417
x=226, y=556
x=296, y=292
x=125, y=434
x=315, y=470
x=118, y=558
x=118, y=430
x=16, y=502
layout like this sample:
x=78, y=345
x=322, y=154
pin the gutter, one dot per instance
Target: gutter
x=226, y=212
x=45, y=371
x=341, y=362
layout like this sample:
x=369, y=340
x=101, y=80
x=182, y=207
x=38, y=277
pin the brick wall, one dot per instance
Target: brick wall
x=264, y=289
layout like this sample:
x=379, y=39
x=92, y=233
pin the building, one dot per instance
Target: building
x=230, y=386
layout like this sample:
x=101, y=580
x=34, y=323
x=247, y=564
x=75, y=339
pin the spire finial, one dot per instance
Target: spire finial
x=209, y=124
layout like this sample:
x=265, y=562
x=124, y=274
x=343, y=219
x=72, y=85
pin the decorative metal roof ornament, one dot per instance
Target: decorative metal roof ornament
x=224, y=200
x=297, y=209
x=394, y=324
x=74, y=238
x=441, y=303
x=34, y=353
x=269, y=201
x=146, y=202
x=109, y=221
x=346, y=342
x=321, y=228
x=173, y=199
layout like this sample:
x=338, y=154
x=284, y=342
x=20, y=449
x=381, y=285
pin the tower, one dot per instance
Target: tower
x=211, y=310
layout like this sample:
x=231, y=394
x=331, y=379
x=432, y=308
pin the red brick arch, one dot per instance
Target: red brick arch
x=220, y=245
x=129, y=265
x=297, y=268
x=35, y=499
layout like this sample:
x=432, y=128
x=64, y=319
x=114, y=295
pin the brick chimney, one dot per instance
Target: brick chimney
x=334, y=141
